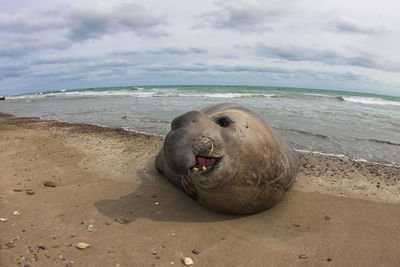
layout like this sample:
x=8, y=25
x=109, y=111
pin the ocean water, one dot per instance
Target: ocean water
x=362, y=127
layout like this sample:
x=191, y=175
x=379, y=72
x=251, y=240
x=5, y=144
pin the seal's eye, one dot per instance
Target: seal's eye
x=224, y=121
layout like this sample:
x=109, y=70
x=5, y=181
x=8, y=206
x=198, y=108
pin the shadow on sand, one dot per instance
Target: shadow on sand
x=158, y=200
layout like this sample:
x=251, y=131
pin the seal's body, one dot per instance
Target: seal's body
x=227, y=159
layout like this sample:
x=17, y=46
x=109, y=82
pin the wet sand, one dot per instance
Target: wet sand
x=104, y=191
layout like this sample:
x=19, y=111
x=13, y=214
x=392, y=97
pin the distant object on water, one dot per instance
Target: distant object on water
x=2, y=97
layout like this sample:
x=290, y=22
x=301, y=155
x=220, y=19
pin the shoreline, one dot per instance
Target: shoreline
x=108, y=194
x=299, y=152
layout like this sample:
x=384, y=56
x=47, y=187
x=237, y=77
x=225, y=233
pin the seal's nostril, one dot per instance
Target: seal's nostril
x=203, y=146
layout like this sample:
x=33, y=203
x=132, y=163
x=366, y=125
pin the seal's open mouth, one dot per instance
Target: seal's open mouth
x=205, y=165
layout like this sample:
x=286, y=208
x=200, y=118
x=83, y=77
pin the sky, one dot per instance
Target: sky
x=330, y=44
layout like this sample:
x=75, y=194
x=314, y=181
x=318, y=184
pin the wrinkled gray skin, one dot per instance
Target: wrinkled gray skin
x=255, y=166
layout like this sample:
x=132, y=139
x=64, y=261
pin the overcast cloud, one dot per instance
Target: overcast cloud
x=341, y=45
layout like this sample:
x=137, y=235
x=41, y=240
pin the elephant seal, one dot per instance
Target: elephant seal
x=227, y=159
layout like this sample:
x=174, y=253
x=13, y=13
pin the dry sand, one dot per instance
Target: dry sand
x=339, y=213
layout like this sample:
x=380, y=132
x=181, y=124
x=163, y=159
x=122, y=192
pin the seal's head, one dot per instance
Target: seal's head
x=228, y=159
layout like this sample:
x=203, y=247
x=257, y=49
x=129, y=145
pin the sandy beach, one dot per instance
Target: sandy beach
x=64, y=184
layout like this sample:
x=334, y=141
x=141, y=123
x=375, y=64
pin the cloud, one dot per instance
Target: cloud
x=246, y=16
x=84, y=22
x=93, y=23
x=26, y=22
x=58, y=60
x=178, y=51
x=347, y=25
x=326, y=56
x=12, y=71
x=19, y=47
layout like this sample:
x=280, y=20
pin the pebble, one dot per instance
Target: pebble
x=196, y=251
x=50, y=183
x=41, y=247
x=10, y=244
x=90, y=227
x=26, y=265
x=157, y=257
x=187, y=261
x=157, y=203
x=18, y=190
x=68, y=265
x=3, y=219
x=15, y=213
x=82, y=245
x=121, y=220
x=302, y=256
x=30, y=191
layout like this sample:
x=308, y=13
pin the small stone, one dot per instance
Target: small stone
x=302, y=256
x=327, y=217
x=18, y=190
x=121, y=220
x=30, y=193
x=328, y=259
x=171, y=262
x=42, y=247
x=157, y=257
x=196, y=251
x=26, y=265
x=82, y=245
x=90, y=227
x=3, y=219
x=50, y=183
x=187, y=261
x=68, y=264
x=154, y=253
x=173, y=234
x=10, y=244
x=15, y=213
x=157, y=203
x=117, y=265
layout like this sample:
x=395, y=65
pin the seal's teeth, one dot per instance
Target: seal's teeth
x=196, y=169
x=204, y=168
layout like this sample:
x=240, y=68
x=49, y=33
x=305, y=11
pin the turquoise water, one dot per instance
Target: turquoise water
x=359, y=126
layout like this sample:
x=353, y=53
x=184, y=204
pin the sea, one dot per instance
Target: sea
x=349, y=125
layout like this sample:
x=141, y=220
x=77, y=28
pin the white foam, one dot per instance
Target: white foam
x=345, y=157
x=370, y=101
x=85, y=94
x=227, y=95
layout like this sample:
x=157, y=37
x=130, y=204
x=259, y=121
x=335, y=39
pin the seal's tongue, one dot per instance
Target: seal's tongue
x=205, y=161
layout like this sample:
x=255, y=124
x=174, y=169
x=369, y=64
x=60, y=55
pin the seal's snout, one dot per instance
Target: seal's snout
x=177, y=147
x=186, y=146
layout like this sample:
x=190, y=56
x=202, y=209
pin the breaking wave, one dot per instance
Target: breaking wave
x=369, y=101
